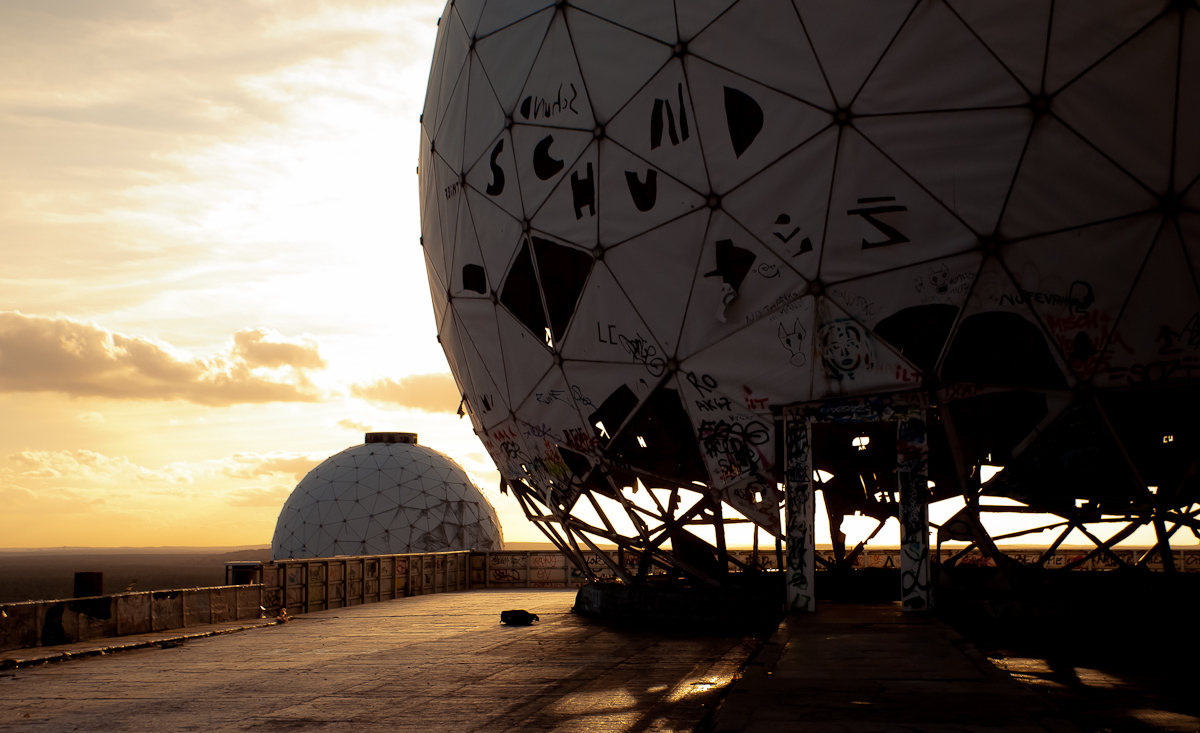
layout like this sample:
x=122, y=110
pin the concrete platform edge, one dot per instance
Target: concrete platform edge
x=111, y=645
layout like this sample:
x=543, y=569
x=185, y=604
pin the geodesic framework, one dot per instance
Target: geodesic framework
x=385, y=497
x=654, y=219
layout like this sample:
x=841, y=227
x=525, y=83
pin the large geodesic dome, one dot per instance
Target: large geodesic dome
x=387, y=496
x=648, y=223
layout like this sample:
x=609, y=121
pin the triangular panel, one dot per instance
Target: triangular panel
x=1080, y=309
x=550, y=415
x=657, y=270
x=912, y=309
x=608, y=328
x=468, y=272
x=654, y=18
x=571, y=212
x=1125, y=105
x=544, y=156
x=485, y=117
x=848, y=47
x=659, y=124
x=555, y=93
x=966, y=159
x=743, y=125
x=774, y=53
x=694, y=16
x=849, y=359
x=458, y=44
x=615, y=62
x=449, y=138
x=508, y=55
x=737, y=444
x=477, y=333
x=880, y=219
x=1157, y=339
x=501, y=232
x=526, y=356
x=785, y=205
x=738, y=281
x=494, y=176
x=434, y=89
x=1015, y=31
x=635, y=196
x=1187, y=144
x=1084, y=31
x=767, y=363
x=1098, y=191
x=998, y=339
x=441, y=298
x=498, y=15
x=937, y=63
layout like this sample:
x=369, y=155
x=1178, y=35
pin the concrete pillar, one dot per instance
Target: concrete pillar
x=800, y=510
x=912, y=471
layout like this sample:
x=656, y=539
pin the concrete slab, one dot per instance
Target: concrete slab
x=430, y=663
x=876, y=668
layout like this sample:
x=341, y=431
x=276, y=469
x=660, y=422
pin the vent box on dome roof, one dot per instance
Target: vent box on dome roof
x=391, y=438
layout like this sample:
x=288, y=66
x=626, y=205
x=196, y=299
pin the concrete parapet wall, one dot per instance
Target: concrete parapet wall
x=65, y=621
x=256, y=590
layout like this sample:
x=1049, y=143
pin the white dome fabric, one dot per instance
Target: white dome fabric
x=381, y=499
x=656, y=218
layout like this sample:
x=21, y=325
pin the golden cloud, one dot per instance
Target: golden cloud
x=428, y=392
x=358, y=427
x=253, y=465
x=40, y=354
x=272, y=497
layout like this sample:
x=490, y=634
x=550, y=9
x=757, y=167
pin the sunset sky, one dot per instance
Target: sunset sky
x=212, y=277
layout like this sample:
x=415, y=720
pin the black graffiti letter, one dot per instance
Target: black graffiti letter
x=496, y=187
x=643, y=194
x=744, y=117
x=543, y=165
x=678, y=134
x=583, y=191
x=893, y=235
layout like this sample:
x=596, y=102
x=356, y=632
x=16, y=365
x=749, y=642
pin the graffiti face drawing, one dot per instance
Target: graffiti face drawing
x=939, y=278
x=845, y=349
x=793, y=341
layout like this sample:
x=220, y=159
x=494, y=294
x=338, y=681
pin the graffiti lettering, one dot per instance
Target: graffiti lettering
x=732, y=444
x=1187, y=368
x=1173, y=341
x=532, y=107
x=644, y=352
x=868, y=214
x=713, y=404
x=703, y=383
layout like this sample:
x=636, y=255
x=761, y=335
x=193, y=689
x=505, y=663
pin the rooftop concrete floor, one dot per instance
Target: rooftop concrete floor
x=858, y=667
x=430, y=663
x=444, y=663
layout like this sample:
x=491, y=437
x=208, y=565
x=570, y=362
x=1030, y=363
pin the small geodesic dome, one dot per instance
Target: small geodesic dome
x=386, y=496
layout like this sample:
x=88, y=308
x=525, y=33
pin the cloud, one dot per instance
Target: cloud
x=428, y=392
x=254, y=348
x=355, y=426
x=272, y=497
x=40, y=354
x=87, y=467
x=254, y=465
x=85, y=476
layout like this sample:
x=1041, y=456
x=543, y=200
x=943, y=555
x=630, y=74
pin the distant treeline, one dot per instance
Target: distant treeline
x=42, y=575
